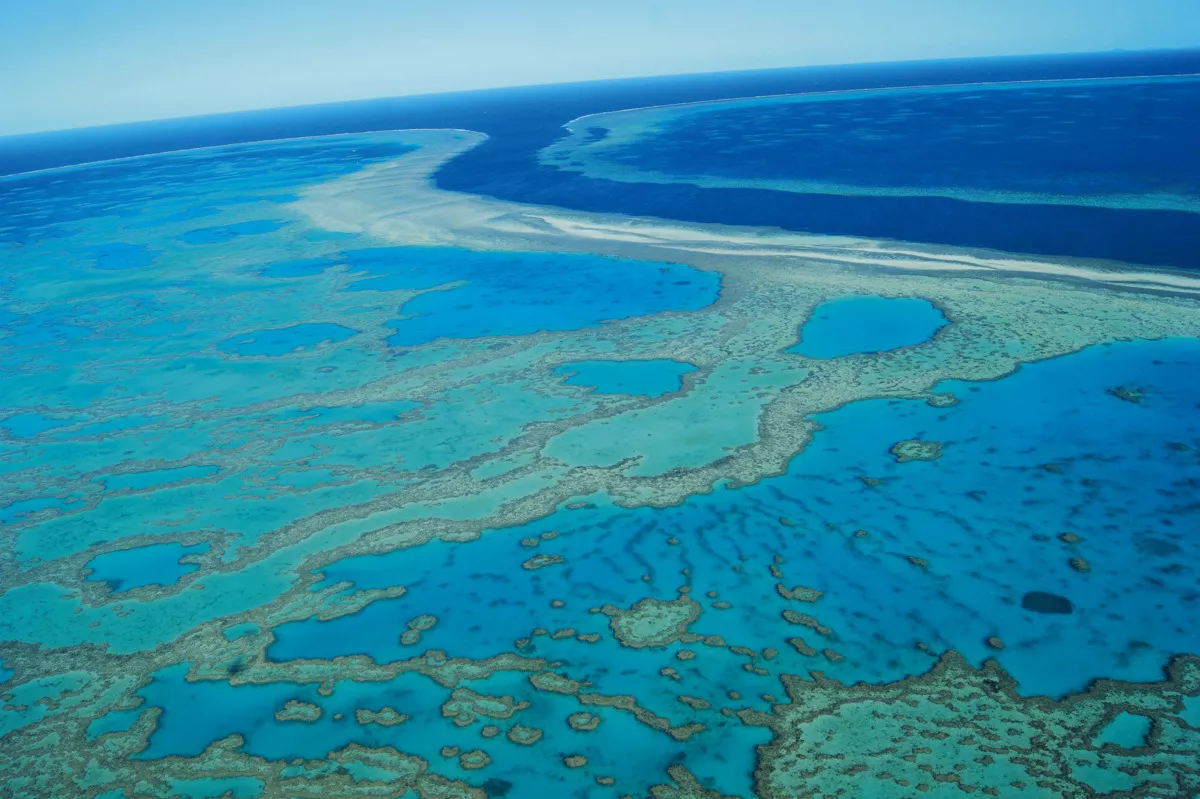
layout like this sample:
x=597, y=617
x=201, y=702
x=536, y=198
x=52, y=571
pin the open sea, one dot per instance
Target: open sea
x=817, y=432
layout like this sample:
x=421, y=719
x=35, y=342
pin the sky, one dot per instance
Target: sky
x=79, y=63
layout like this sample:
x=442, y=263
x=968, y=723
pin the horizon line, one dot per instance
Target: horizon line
x=7, y=138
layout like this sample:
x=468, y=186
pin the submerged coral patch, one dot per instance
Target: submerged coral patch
x=287, y=340
x=880, y=736
x=652, y=622
x=1045, y=602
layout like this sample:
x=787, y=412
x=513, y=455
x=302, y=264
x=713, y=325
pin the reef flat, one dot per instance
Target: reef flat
x=397, y=548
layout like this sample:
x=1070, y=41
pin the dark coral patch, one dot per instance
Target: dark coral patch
x=496, y=788
x=1042, y=602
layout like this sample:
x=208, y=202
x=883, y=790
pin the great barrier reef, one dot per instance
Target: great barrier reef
x=810, y=433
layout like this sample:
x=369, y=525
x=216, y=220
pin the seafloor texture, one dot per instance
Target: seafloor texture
x=318, y=481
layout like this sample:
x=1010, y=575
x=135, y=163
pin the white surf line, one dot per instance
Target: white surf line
x=854, y=251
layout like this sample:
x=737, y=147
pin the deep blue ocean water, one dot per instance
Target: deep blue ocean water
x=1068, y=138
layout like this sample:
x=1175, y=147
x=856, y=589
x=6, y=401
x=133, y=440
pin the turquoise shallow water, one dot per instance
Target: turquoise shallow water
x=280, y=504
x=288, y=339
x=1127, y=730
x=645, y=378
x=123, y=256
x=851, y=325
x=127, y=569
x=507, y=294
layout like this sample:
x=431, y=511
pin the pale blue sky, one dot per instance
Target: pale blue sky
x=74, y=63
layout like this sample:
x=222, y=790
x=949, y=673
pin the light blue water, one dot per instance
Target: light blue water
x=651, y=378
x=113, y=721
x=240, y=630
x=118, y=256
x=159, y=564
x=1191, y=711
x=209, y=787
x=860, y=323
x=14, y=511
x=185, y=215
x=28, y=425
x=298, y=267
x=223, y=233
x=1127, y=731
x=284, y=341
x=35, y=329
